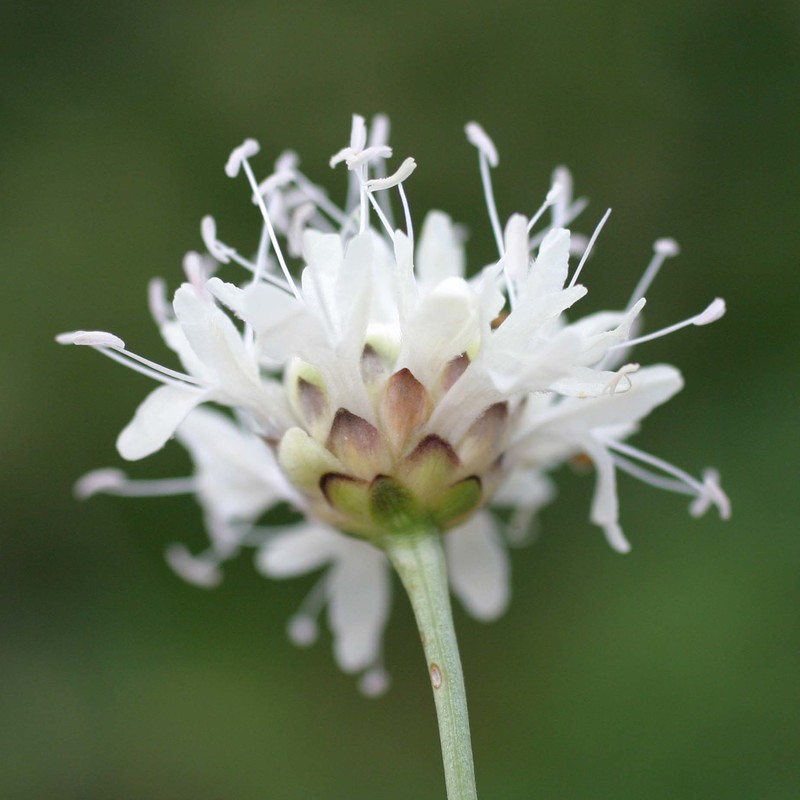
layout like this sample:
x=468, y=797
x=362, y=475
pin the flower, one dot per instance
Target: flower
x=383, y=387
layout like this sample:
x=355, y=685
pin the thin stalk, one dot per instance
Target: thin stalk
x=418, y=557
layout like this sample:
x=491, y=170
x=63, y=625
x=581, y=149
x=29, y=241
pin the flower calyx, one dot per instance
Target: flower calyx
x=393, y=472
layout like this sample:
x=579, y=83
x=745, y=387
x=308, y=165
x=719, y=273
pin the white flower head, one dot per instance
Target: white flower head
x=370, y=383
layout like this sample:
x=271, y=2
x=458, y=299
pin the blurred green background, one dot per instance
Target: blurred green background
x=669, y=673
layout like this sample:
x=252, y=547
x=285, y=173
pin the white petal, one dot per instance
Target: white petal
x=650, y=387
x=237, y=475
x=217, y=343
x=445, y=324
x=479, y=567
x=282, y=325
x=321, y=250
x=359, y=604
x=440, y=254
x=155, y=421
x=550, y=269
x=516, y=258
x=228, y=294
x=297, y=550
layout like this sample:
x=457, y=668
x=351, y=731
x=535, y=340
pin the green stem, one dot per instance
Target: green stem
x=418, y=557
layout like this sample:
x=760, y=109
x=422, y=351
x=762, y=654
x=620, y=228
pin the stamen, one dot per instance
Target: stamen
x=113, y=347
x=550, y=199
x=367, y=155
x=650, y=478
x=303, y=629
x=208, y=230
x=358, y=132
x=247, y=149
x=379, y=134
x=662, y=250
x=612, y=387
x=378, y=210
x=407, y=215
x=375, y=681
x=362, y=172
x=708, y=493
x=712, y=313
x=565, y=211
x=219, y=249
x=275, y=181
x=151, y=369
x=116, y=482
x=379, y=130
x=287, y=161
x=195, y=271
x=478, y=137
x=91, y=339
x=320, y=198
x=265, y=214
x=589, y=247
x=712, y=495
x=202, y=570
x=160, y=308
x=397, y=177
x=301, y=216
x=487, y=156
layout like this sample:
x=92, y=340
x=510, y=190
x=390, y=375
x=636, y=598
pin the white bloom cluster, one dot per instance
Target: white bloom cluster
x=384, y=385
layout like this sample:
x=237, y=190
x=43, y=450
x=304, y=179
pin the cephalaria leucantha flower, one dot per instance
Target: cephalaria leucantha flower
x=362, y=377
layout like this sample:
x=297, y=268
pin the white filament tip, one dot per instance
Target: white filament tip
x=160, y=308
x=98, y=481
x=478, y=137
x=712, y=495
x=379, y=130
x=91, y=339
x=715, y=310
x=195, y=269
x=274, y=181
x=405, y=169
x=302, y=631
x=196, y=570
x=358, y=133
x=555, y=193
x=666, y=247
x=208, y=230
x=374, y=682
x=247, y=149
x=287, y=161
x=616, y=538
x=621, y=383
x=361, y=157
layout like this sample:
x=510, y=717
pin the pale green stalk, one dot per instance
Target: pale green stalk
x=418, y=557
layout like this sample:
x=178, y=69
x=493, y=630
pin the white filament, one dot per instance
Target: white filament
x=589, y=246
x=711, y=313
x=662, y=250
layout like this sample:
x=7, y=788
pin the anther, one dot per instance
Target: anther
x=208, y=230
x=247, y=149
x=478, y=137
x=397, y=177
x=91, y=339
